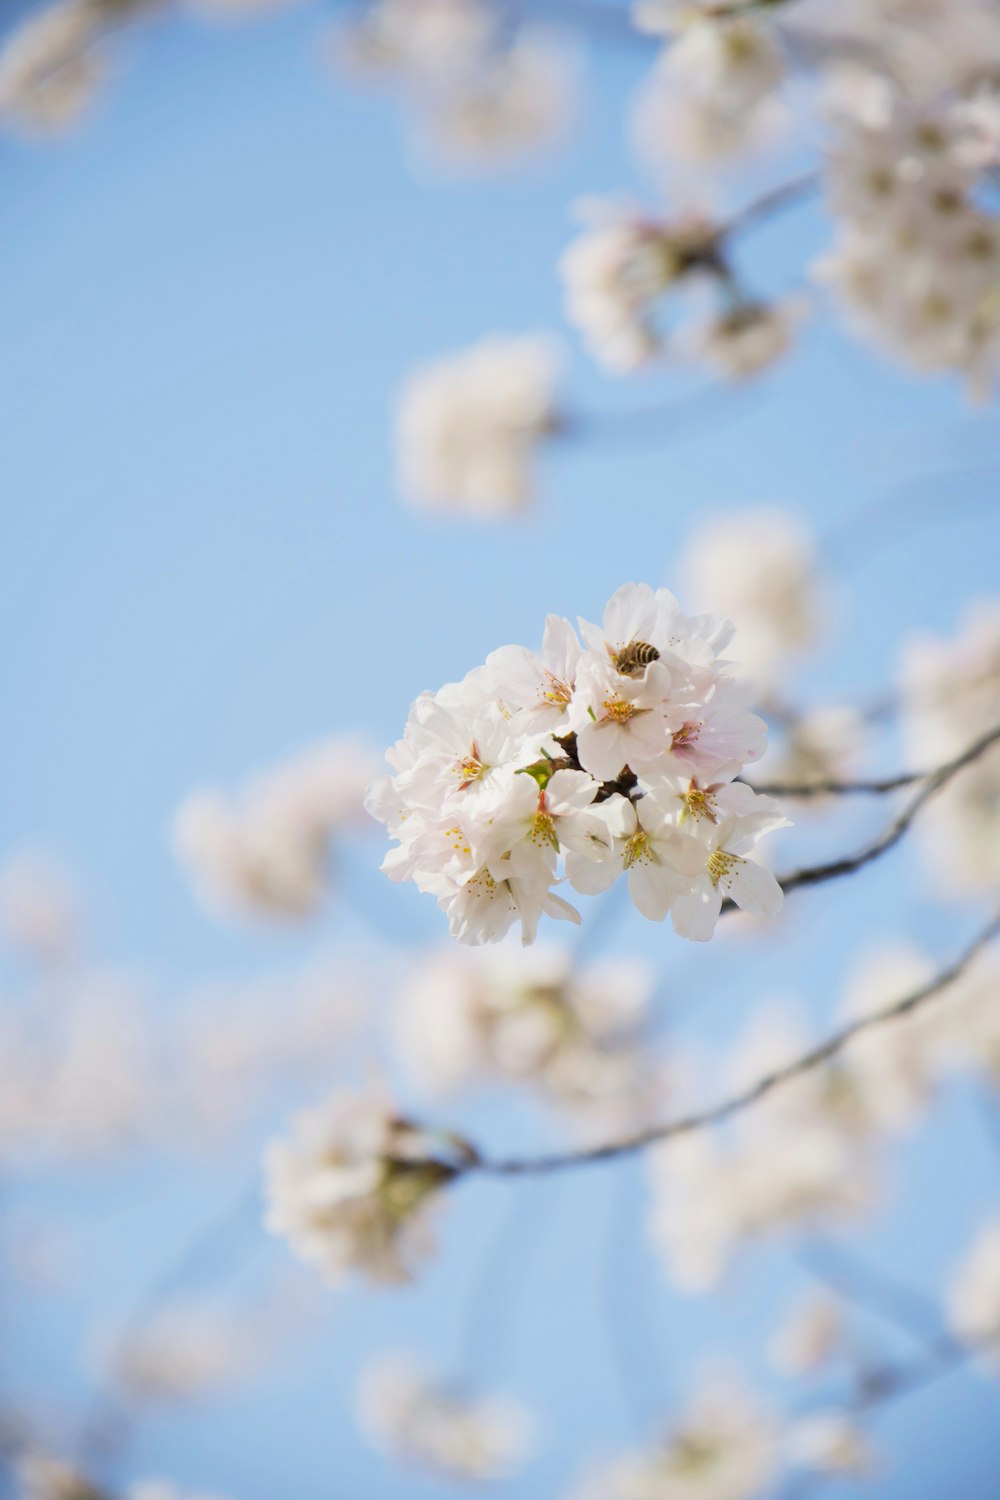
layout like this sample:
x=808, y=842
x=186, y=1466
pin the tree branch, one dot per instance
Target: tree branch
x=891, y=835
x=736, y=1103
x=876, y=786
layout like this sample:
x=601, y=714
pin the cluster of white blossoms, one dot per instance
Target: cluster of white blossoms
x=724, y=1446
x=619, y=755
x=437, y=1426
x=349, y=1188
x=617, y=275
x=715, y=91
x=758, y=566
x=484, y=92
x=469, y=425
x=267, y=851
x=534, y=1018
x=916, y=264
x=727, y=1446
x=950, y=699
x=182, y=1352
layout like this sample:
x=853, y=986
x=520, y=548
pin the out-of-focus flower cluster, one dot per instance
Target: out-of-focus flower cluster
x=532, y=1018
x=439, y=1427
x=618, y=273
x=484, y=92
x=618, y=755
x=469, y=425
x=350, y=1187
x=267, y=852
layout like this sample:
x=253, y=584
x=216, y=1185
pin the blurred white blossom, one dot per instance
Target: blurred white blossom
x=351, y=1184
x=723, y=1446
x=759, y=567
x=438, y=1426
x=469, y=425
x=266, y=851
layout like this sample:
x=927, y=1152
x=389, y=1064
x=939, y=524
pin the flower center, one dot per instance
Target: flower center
x=685, y=736
x=619, y=710
x=558, y=691
x=471, y=768
x=637, y=848
x=543, y=829
x=721, y=866
x=698, y=802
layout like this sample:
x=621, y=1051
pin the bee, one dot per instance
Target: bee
x=634, y=657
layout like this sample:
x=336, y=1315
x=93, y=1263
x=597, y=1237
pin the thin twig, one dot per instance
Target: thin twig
x=877, y=785
x=785, y=195
x=881, y=1385
x=736, y=1103
x=891, y=835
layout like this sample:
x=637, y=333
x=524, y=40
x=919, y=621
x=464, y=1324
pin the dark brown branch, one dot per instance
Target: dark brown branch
x=891, y=835
x=878, y=785
x=736, y=1103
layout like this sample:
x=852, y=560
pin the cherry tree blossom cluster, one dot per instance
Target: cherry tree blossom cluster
x=351, y=1185
x=916, y=263
x=574, y=1034
x=431, y=1423
x=483, y=92
x=267, y=851
x=469, y=425
x=618, y=273
x=619, y=755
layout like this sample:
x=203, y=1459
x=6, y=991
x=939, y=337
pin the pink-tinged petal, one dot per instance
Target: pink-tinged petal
x=755, y=889
x=696, y=911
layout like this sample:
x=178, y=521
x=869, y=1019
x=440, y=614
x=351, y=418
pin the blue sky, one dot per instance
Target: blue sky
x=208, y=297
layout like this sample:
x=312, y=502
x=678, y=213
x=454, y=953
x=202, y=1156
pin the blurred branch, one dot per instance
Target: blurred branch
x=716, y=1114
x=877, y=786
x=881, y=1385
x=891, y=835
x=786, y=195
